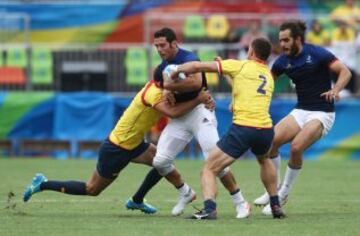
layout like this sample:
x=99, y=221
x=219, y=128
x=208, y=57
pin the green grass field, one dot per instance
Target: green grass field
x=325, y=201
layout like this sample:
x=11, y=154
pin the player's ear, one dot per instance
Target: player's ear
x=173, y=44
x=251, y=53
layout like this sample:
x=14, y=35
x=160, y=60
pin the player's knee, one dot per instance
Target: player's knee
x=223, y=172
x=152, y=152
x=92, y=190
x=296, y=149
x=149, y=156
x=163, y=165
x=208, y=171
x=263, y=159
x=209, y=166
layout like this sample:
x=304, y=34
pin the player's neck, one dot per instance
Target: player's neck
x=259, y=60
x=174, y=55
x=253, y=57
x=301, y=47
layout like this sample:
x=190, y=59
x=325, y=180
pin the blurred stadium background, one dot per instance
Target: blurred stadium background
x=68, y=69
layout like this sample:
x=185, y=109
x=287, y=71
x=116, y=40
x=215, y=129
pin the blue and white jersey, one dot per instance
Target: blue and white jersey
x=181, y=57
x=310, y=72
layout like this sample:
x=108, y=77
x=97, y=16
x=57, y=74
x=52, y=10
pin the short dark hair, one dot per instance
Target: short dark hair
x=168, y=33
x=158, y=77
x=297, y=29
x=262, y=48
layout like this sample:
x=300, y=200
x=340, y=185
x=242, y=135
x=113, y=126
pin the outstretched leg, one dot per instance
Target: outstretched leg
x=112, y=159
x=93, y=187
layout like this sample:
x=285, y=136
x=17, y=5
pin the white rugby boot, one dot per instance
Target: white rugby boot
x=262, y=200
x=243, y=210
x=185, y=199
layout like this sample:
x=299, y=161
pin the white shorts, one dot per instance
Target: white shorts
x=302, y=117
x=200, y=122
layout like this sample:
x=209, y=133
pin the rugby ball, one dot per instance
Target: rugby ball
x=169, y=69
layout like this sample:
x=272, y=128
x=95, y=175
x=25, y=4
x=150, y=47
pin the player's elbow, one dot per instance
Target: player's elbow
x=348, y=74
x=345, y=72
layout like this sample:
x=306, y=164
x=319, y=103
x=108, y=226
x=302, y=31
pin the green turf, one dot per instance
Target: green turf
x=325, y=201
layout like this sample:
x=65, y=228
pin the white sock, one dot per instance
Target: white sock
x=184, y=189
x=289, y=178
x=277, y=162
x=237, y=198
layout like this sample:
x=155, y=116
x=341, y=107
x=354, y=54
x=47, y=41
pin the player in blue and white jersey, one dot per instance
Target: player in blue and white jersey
x=309, y=67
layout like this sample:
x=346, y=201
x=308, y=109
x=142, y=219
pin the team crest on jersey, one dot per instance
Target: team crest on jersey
x=288, y=66
x=309, y=59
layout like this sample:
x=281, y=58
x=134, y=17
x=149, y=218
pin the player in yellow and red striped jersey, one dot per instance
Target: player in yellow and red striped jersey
x=125, y=144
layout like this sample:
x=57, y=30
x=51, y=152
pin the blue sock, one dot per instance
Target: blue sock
x=69, y=187
x=151, y=179
x=274, y=200
x=210, y=205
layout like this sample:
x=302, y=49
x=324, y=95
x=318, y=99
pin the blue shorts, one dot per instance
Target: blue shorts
x=239, y=139
x=112, y=158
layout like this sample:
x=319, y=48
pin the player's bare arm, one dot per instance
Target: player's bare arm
x=344, y=76
x=195, y=67
x=169, y=97
x=182, y=108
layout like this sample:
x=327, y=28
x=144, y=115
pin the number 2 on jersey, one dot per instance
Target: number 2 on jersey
x=262, y=85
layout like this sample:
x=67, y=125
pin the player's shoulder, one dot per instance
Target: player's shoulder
x=311, y=47
x=153, y=86
x=234, y=62
x=314, y=49
x=320, y=53
x=282, y=60
x=151, y=94
x=187, y=55
x=150, y=87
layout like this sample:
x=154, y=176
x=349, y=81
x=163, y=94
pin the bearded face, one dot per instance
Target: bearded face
x=288, y=44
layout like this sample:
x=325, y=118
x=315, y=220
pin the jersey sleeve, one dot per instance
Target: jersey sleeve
x=277, y=69
x=230, y=67
x=325, y=57
x=152, y=95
